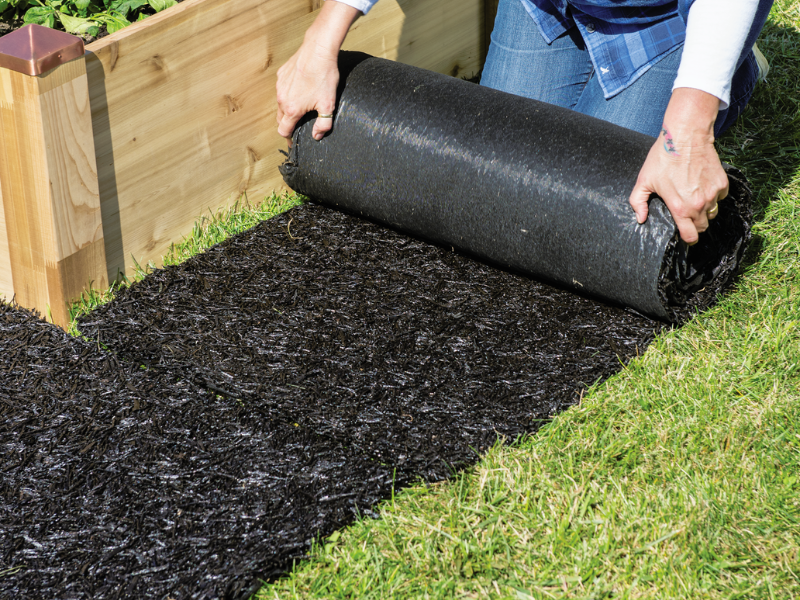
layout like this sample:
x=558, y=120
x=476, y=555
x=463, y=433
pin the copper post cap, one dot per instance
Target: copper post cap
x=34, y=49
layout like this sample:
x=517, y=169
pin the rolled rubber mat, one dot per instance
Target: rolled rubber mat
x=527, y=185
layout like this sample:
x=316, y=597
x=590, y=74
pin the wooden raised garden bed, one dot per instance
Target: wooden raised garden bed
x=110, y=157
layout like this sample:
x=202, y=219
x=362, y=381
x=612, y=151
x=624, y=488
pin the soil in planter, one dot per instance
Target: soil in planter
x=294, y=373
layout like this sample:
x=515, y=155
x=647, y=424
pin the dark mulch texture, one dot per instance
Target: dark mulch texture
x=292, y=372
x=415, y=354
x=118, y=484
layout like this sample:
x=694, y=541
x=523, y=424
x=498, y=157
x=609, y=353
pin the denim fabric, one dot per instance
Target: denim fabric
x=521, y=62
x=624, y=39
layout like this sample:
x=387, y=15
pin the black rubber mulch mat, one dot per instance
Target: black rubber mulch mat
x=117, y=483
x=290, y=374
x=412, y=353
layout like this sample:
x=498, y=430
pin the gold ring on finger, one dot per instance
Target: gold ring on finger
x=713, y=211
x=324, y=116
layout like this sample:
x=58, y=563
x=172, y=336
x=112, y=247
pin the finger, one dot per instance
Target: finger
x=724, y=192
x=322, y=125
x=281, y=98
x=687, y=230
x=701, y=222
x=713, y=212
x=286, y=126
x=638, y=200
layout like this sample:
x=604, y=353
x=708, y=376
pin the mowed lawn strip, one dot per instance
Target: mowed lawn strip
x=678, y=478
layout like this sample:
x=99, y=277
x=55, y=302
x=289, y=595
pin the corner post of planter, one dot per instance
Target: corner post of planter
x=48, y=172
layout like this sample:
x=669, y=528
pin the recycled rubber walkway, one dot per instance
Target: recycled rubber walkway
x=228, y=410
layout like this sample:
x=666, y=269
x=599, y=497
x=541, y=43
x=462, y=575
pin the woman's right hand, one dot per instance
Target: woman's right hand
x=309, y=79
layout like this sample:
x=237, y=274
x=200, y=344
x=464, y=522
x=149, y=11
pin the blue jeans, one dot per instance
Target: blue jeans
x=522, y=63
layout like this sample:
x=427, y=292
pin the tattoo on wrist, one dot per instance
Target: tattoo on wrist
x=669, y=142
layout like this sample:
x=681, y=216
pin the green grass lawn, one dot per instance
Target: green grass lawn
x=677, y=478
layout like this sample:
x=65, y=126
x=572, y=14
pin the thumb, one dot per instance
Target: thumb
x=639, y=198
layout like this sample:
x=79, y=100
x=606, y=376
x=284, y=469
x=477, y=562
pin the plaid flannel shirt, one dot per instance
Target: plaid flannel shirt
x=624, y=38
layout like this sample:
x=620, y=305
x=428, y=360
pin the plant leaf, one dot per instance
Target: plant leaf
x=76, y=25
x=37, y=14
x=82, y=4
x=115, y=22
x=123, y=7
x=159, y=5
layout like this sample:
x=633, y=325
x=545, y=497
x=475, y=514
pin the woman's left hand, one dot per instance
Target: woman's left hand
x=683, y=167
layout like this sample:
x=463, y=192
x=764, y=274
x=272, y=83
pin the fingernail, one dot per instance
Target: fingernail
x=318, y=136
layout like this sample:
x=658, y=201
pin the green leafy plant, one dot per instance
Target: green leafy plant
x=12, y=10
x=81, y=17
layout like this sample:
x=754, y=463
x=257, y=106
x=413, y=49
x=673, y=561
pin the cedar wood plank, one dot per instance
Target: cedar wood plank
x=183, y=104
x=51, y=208
x=6, y=280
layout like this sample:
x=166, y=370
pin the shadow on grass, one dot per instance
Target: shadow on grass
x=765, y=141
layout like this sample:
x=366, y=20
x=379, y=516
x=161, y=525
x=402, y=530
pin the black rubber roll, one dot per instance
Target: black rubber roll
x=529, y=186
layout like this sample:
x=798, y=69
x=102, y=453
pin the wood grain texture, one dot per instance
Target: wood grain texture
x=443, y=36
x=24, y=180
x=50, y=196
x=67, y=123
x=6, y=278
x=183, y=104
